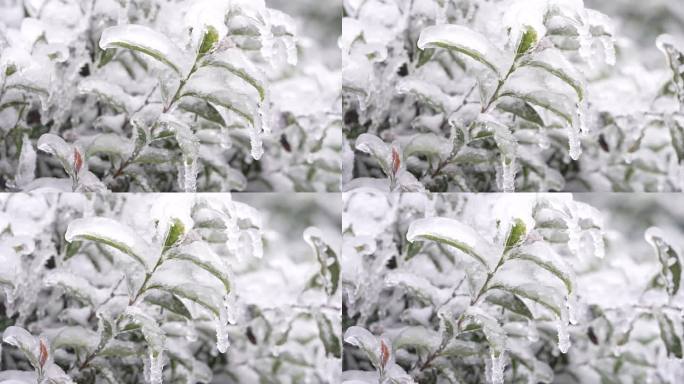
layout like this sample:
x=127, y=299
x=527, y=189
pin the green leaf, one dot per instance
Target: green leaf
x=210, y=39
x=328, y=335
x=175, y=233
x=169, y=302
x=424, y=56
x=10, y=70
x=147, y=41
x=72, y=249
x=464, y=40
x=521, y=109
x=111, y=233
x=516, y=235
x=528, y=40
x=672, y=341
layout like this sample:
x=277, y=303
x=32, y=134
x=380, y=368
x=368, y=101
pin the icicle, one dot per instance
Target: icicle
x=190, y=175
x=508, y=175
x=222, y=342
x=608, y=50
x=563, y=335
x=256, y=144
x=574, y=142
x=498, y=365
x=574, y=235
x=532, y=332
x=255, y=243
x=291, y=51
x=599, y=245
x=156, y=367
x=227, y=315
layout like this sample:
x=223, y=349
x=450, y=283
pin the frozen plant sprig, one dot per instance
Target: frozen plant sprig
x=161, y=97
x=461, y=290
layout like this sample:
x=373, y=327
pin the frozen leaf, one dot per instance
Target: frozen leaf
x=452, y=233
x=418, y=286
x=201, y=255
x=76, y=286
x=367, y=342
x=111, y=233
x=377, y=149
x=671, y=339
x=145, y=40
x=671, y=265
x=22, y=339
x=327, y=259
x=56, y=146
x=521, y=109
x=169, y=302
x=553, y=62
x=235, y=61
x=542, y=255
x=464, y=40
x=328, y=335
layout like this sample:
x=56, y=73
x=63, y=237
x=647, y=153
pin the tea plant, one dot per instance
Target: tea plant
x=160, y=289
x=161, y=96
x=469, y=95
x=528, y=288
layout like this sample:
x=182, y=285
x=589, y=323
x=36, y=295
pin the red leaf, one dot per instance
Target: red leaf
x=78, y=160
x=43, y=353
x=384, y=353
x=396, y=160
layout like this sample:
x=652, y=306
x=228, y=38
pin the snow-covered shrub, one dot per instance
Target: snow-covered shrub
x=178, y=289
x=518, y=289
x=527, y=95
x=155, y=95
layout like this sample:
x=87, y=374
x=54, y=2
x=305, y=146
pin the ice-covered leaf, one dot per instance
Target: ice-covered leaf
x=169, y=302
x=327, y=259
x=366, y=341
x=668, y=333
x=201, y=255
x=417, y=286
x=453, y=233
x=76, y=286
x=670, y=261
x=235, y=61
x=544, y=256
x=521, y=109
x=111, y=233
x=153, y=334
x=510, y=302
x=464, y=40
x=56, y=146
x=553, y=62
x=145, y=40
x=328, y=335
x=377, y=149
x=27, y=343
